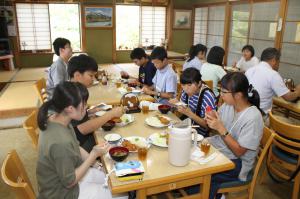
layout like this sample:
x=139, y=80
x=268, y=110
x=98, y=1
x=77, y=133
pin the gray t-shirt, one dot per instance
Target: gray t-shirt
x=58, y=157
x=246, y=128
x=57, y=73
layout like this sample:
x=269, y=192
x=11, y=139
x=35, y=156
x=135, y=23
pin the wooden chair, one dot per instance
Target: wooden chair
x=14, y=175
x=249, y=185
x=209, y=83
x=40, y=87
x=284, y=155
x=30, y=125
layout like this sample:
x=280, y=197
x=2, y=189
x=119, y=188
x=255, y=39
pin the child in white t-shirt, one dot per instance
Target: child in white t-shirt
x=248, y=59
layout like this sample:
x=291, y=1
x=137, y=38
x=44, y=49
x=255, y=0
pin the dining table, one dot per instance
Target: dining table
x=161, y=176
x=109, y=93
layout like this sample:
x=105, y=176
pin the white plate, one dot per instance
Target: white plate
x=126, y=119
x=199, y=137
x=100, y=113
x=112, y=137
x=157, y=140
x=137, y=92
x=155, y=122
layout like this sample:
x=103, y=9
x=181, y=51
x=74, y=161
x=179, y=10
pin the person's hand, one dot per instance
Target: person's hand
x=100, y=149
x=173, y=101
x=124, y=73
x=117, y=112
x=214, y=122
x=234, y=64
x=147, y=90
x=184, y=110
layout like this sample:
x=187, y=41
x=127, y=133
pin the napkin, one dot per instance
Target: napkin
x=129, y=168
x=152, y=106
x=198, y=156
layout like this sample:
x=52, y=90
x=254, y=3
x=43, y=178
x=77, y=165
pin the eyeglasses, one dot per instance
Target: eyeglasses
x=224, y=92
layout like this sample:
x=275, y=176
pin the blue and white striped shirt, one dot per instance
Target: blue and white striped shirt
x=207, y=100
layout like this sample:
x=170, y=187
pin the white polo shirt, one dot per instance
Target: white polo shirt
x=244, y=65
x=268, y=84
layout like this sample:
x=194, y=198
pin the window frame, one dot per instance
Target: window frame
x=140, y=18
x=207, y=27
x=46, y=51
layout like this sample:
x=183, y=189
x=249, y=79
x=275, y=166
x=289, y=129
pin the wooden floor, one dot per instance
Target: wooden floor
x=17, y=94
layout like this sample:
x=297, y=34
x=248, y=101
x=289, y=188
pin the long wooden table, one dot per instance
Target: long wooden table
x=109, y=94
x=290, y=106
x=160, y=176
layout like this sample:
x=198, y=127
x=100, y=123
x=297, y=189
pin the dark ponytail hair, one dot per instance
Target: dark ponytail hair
x=216, y=55
x=190, y=75
x=195, y=49
x=65, y=94
x=237, y=82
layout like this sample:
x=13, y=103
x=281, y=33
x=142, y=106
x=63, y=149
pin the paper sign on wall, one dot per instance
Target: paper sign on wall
x=272, y=30
x=297, y=37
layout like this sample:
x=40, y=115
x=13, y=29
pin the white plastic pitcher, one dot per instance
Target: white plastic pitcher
x=180, y=145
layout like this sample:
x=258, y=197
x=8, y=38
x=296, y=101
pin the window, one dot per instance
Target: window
x=209, y=25
x=239, y=31
x=40, y=24
x=139, y=25
x=255, y=26
x=290, y=46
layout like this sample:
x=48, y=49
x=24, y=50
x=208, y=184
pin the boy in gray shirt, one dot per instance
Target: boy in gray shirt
x=58, y=70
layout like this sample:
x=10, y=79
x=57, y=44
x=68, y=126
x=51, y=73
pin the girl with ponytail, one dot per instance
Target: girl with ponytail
x=239, y=125
x=197, y=56
x=63, y=167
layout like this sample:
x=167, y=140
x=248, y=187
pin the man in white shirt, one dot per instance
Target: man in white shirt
x=165, y=80
x=268, y=82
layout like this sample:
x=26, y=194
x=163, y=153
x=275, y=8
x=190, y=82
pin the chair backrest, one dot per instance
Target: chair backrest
x=40, y=87
x=284, y=129
x=30, y=125
x=15, y=176
x=265, y=143
x=209, y=83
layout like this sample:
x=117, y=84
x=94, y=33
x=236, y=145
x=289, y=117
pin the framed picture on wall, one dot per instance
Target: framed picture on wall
x=98, y=16
x=182, y=19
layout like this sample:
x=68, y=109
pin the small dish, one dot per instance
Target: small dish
x=118, y=153
x=108, y=125
x=112, y=138
x=164, y=109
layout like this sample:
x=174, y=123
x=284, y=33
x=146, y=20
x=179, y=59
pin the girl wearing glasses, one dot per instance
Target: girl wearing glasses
x=239, y=125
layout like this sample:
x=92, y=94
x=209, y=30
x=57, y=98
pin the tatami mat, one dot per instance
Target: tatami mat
x=30, y=74
x=6, y=76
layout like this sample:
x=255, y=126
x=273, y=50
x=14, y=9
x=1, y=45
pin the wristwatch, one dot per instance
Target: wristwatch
x=225, y=134
x=158, y=94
